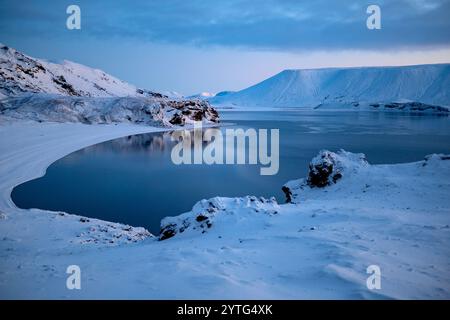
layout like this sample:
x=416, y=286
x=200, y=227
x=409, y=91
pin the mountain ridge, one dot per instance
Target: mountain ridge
x=20, y=73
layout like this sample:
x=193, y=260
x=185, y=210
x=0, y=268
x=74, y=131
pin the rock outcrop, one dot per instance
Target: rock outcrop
x=206, y=213
x=144, y=110
x=410, y=107
x=326, y=169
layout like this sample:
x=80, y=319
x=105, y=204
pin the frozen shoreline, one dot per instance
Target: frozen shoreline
x=395, y=216
x=23, y=143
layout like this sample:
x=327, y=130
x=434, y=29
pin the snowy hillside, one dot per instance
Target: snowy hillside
x=20, y=73
x=314, y=87
x=33, y=89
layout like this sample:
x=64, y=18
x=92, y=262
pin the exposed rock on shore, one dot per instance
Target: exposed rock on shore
x=326, y=169
x=206, y=213
x=145, y=110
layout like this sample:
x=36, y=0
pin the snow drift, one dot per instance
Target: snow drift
x=314, y=87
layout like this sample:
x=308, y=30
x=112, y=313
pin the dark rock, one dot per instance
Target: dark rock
x=60, y=80
x=336, y=177
x=168, y=232
x=287, y=193
x=323, y=171
x=177, y=119
x=201, y=218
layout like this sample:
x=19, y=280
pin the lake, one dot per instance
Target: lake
x=132, y=180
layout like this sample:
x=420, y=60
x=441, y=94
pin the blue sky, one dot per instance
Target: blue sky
x=191, y=45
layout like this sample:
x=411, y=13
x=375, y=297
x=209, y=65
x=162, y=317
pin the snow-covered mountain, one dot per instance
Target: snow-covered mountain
x=315, y=87
x=202, y=96
x=35, y=89
x=20, y=73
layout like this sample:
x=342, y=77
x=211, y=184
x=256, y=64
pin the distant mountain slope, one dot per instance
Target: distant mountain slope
x=202, y=96
x=312, y=87
x=20, y=73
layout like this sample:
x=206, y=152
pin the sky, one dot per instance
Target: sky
x=192, y=46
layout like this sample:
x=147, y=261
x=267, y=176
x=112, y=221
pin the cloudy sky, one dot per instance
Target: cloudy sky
x=191, y=46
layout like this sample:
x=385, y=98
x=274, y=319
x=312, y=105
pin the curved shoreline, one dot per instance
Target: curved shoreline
x=45, y=143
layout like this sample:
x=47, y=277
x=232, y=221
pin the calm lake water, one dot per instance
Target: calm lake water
x=133, y=180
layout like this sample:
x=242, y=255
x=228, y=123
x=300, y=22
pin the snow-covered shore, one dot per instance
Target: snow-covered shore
x=27, y=149
x=319, y=246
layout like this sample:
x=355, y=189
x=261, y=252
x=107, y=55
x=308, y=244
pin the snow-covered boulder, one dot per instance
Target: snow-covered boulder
x=325, y=169
x=206, y=213
x=435, y=158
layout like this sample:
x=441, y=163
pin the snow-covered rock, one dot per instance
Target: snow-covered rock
x=94, y=231
x=155, y=111
x=346, y=86
x=325, y=169
x=206, y=213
